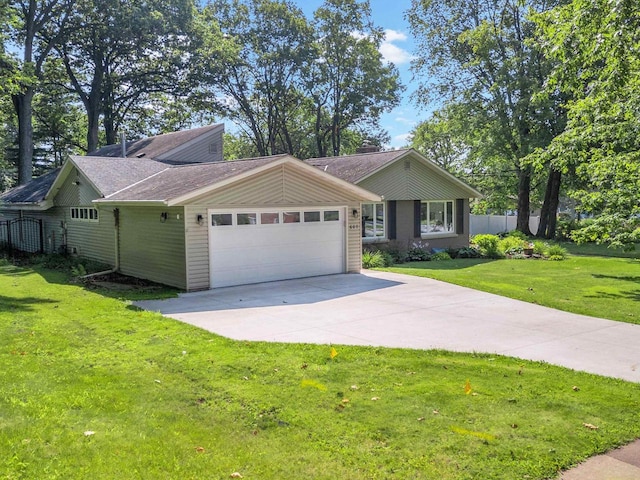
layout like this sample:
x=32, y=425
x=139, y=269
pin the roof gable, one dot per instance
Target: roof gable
x=369, y=170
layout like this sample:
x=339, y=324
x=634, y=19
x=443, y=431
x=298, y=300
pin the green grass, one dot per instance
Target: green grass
x=606, y=287
x=167, y=400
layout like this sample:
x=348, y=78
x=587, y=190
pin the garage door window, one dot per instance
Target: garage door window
x=331, y=215
x=269, y=218
x=247, y=219
x=221, y=219
x=311, y=217
x=291, y=217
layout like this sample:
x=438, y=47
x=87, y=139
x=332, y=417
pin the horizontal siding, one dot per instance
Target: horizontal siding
x=354, y=239
x=152, y=249
x=300, y=189
x=94, y=240
x=411, y=179
x=197, y=248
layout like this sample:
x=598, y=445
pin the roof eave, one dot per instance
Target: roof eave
x=137, y=203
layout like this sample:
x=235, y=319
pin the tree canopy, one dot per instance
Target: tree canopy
x=596, y=44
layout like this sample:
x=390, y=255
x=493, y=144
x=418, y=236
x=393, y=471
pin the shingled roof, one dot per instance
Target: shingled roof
x=354, y=168
x=114, y=174
x=152, y=147
x=32, y=192
x=176, y=181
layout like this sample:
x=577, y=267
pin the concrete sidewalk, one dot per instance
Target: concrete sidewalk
x=385, y=309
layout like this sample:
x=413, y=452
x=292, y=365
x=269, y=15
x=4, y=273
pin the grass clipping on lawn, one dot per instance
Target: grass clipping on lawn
x=94, y=388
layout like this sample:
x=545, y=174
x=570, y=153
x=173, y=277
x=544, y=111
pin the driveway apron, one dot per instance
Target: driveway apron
x=392, y=310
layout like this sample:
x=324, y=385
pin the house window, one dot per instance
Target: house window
x=373, y=220
x=437, y=217
x=86, y=214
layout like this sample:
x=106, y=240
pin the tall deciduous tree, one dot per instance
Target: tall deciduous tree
x=596, y=44
x=39, y=27
x=119, y=52
x=479, y=53
x=251, y=62
x=348, y=81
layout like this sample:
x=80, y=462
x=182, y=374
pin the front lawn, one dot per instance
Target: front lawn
x=94, y=388
x=606, y=287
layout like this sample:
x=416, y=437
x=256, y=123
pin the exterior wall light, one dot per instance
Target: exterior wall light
x=199, y=219
x=164, y=216
x=354, y=213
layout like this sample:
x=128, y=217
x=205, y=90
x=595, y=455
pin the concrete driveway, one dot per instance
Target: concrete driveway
x=391, y=310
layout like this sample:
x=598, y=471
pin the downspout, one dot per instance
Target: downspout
x=116, y=223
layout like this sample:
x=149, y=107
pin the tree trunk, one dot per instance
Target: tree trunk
x=23, y=105
x=554, y=202
x=548, y=215
x=524, y=192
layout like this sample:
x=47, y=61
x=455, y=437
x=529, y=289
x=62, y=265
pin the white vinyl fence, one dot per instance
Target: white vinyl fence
x=498, y=223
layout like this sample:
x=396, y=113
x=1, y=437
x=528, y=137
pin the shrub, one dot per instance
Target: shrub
x=539, y=247
x=376, y=259
x=512, y=244
x=556, y=252
x=439, y=256
x=466, y=252
x=516, y=234
x=417, y=254
x=488, y=245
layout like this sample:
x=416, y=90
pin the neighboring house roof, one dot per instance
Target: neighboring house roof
x=159, y=145
x=358, y=167
x=33, y=192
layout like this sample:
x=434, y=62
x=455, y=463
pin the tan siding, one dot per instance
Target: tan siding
x=152, y=249
x=354, y=239
x=199, y=152
x=417, y=182
x=197, y=248
x=280, y=186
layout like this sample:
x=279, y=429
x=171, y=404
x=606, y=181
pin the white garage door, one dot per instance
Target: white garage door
x=251, y=246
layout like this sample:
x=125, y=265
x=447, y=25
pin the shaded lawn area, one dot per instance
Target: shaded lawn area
x=606, y=287
x=95, y=388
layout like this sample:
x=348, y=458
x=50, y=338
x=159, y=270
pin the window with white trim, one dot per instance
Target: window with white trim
x=86, y=214
x=373, y=220
x=437, y=217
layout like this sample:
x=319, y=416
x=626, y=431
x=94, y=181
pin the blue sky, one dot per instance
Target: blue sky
x=398, y=48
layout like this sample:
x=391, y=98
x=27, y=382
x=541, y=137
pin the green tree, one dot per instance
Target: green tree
x=595, y=44
x=250, y=64
x=479, y=54
x=39, y=25
x=120, y=54
x=349, y=83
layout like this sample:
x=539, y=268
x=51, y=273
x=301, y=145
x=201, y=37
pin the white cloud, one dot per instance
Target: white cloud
x=399, y=141
x=407, y=121
x=392, y=52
